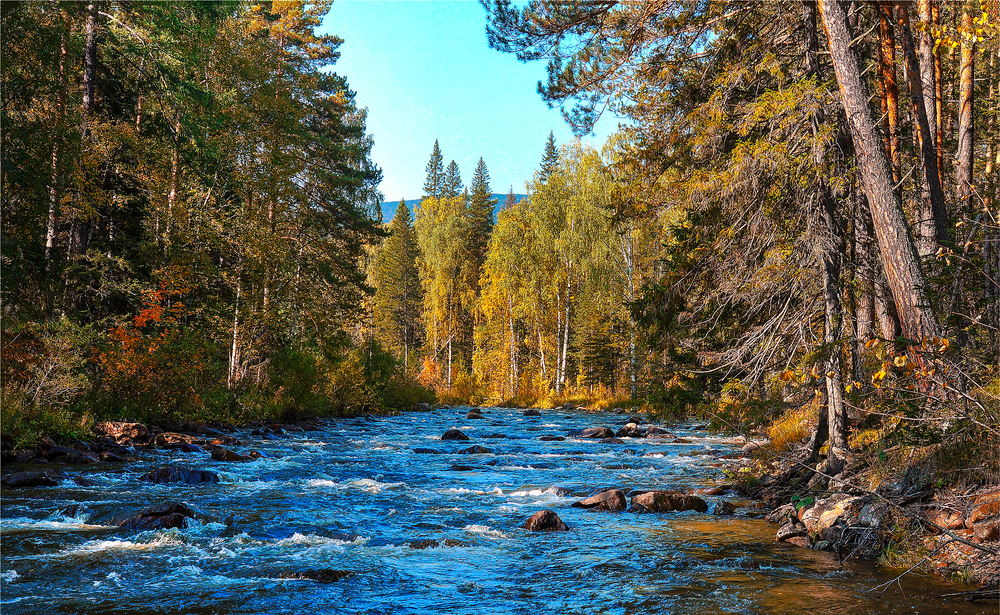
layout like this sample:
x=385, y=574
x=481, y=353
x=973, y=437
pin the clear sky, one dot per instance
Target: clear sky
x=424, y=71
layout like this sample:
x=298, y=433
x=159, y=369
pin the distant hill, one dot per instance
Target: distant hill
x=389, y=207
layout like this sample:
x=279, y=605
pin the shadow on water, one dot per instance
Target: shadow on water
x=421, y=532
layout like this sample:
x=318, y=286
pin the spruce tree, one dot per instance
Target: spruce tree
x=398, y=295
x=551, y=158
x=480, y=215
x=451, y=185
x=433, y=185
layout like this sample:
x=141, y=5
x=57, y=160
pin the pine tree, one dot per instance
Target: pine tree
x=434, y=184
x=451, y=185
x=398, y=295
x=551, y=158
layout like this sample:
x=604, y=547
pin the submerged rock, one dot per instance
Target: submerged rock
x=454, y=434
x=545, y=521
x=552, y=438
x=667, y=501
x=611, y=441
x=23, y=480
x=476, y=450
x=596, y=432
x=473, y=414
x=160, y=517
x=531, y=412
x=175, y=474
x=220, y=453
x=612, y=500
x=320, y=575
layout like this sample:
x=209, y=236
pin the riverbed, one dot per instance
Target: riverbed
x=434, y=531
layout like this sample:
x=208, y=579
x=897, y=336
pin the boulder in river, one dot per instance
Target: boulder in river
x=634, y=419
x=426, y=451
x=22, y=480
x=160, y=517
x=175, y=474
x=532, y=412
x=596, y=432
x=473, y=414
x=667, y=501
x=552, y=438
x=723, y=508
x=612, y=500
x=476, y=450
x=320, y=575
x=170, y=439
x=545, y=521
x=658, y=432
x=611, y=441
x=454, y=434
x=220, y=453
x=65, y=454
x=630, y=430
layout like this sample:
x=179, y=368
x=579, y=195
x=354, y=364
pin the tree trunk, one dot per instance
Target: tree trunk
x=932, y=217
x=89, y=67
x=174, y=174
x=928, y=82
x=888, y=89
x=899, y=257
x=966, y=131
x=55, y=192
x=234, y=351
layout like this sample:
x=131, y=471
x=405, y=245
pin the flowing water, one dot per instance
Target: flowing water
x=428, y=533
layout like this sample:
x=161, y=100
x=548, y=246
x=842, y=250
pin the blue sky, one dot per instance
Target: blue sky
x=424, y=71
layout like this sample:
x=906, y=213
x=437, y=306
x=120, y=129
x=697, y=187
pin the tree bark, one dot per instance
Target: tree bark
x=888, y=88
x=932, y=217
x=89, y=67
x=899, y=257
x=966, y=129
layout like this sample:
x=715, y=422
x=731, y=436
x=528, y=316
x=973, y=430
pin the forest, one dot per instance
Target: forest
x=794, y=233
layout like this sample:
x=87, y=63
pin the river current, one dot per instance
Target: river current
x=429, y=533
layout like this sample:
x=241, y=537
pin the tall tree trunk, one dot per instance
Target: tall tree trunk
x=932, y=217
x=234, y=351
x=938, y=93
x=899, y=257
x=89, y=67
x=888, y=89
x=928, y=80
x=55, y=186
x=966, y=131
x=175, y=165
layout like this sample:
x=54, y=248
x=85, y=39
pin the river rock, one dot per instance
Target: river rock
x=454, y=434
x=790, y=530
x=170, y=439
x=220, y=453
x=426, y=451
x=947, y=519
x=611, y=441
x=109, y=457
x=667, y=501
x=612, y=500
x=474, y=415
x=224, y=441
x=175, y=474
x=634, y=419
x=65, y=454
x=531, y=412
x=476, y=450
x=120, y=431
x=799, y=541
x=461, y=468
x=708, y=491
x=320, y=575
x=596, y=432
x=552, y=438
x=160, y=517
x=984, y=507
x=630, y=430
x=23, y=480
x=658, y=432
x=545, y=521
x=723, y=508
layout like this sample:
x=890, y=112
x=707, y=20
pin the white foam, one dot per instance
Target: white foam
x=8, y=576
x=463, y=490
x=484, y=530
x=25, y=524
x=364, y=484
x=112, y=578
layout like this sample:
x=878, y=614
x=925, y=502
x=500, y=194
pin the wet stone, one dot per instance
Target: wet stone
x=320, y=575
x=175, y=474
x=454, y=434
x=545, y=521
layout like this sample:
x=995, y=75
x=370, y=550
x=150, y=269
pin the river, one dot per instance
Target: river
x=429, y=533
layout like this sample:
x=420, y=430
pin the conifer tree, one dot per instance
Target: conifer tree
x=434, y=184
x=480, y=215
x=510, y=200
x=451, y=185
x=398, y=295
x=551, y=158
